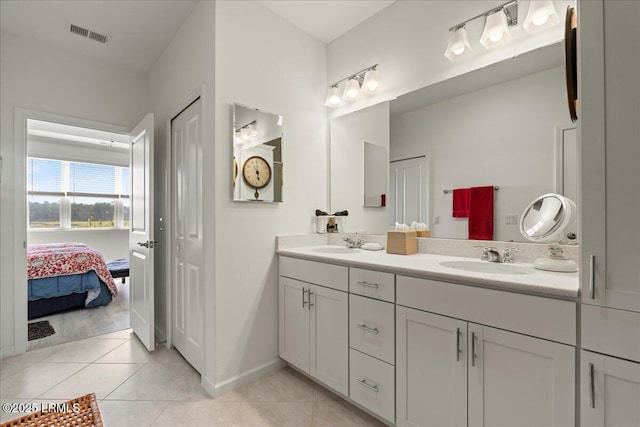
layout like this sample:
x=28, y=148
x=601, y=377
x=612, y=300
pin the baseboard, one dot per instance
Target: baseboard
x=8, y=352
x=247, y=377
x=208, y=385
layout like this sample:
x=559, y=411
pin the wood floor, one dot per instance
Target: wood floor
x=84, y=323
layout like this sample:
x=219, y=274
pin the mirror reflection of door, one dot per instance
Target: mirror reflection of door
x=408, y=191
x=567, y=167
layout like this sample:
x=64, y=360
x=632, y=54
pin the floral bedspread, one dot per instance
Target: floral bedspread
x=61, y=259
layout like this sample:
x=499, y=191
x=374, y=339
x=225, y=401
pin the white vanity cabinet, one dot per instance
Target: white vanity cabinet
x=454, y=371
x=610, y=391
x=313, y=334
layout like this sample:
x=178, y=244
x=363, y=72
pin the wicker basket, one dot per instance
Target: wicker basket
x=87, y=414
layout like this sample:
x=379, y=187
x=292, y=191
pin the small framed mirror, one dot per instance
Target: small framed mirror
x=375, y=175
x=257, y=155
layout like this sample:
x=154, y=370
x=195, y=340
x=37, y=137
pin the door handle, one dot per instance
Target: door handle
x=144, y=244
x=458, y=350
x=304, y=291
x=153, y=244
x=592, y=276
x=592, y=387
x=309, y=302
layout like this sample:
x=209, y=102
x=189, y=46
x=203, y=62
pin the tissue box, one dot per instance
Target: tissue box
x=423, y=233
x=402, y=242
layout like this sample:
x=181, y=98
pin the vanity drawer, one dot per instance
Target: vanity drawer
x=329, y=275
x=372, y=384
x=371, y=327
x=374, y=284
x=541, y=317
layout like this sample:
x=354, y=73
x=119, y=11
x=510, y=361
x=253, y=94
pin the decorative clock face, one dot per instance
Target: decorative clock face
x=256, y=172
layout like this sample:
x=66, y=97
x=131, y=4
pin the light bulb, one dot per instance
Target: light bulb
x=351, y=89
x=334, y=100
x=496, y=37
x=333, y=97
x=372, y=86
x=541, y=21
x=458, y=51
x=371, y=82
x=458, y=44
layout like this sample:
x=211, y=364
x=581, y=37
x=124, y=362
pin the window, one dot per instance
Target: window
x=65, y=194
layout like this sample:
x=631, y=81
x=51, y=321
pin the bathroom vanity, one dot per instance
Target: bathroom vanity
x=431, y=339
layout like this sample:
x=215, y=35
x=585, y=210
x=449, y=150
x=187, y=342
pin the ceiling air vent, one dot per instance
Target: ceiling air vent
x=79, y=30
x=89, y=34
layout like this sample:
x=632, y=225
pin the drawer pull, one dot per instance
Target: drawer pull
x=366, y=328
x=364, y=383
x=473, y=349
x=368, y=285
x=458, y=350
x=592, y=389
x=592, y=276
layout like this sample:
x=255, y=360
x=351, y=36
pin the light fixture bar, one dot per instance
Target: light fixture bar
x=512, y=17
x=359, y=75
x=247, y=125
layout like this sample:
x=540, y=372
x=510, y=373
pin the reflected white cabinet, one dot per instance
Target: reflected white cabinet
x=313, y=331
x=610, y=391
x=452, y=372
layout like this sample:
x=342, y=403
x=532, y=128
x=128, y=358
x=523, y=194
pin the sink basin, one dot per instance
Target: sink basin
x=486, y=267
x=336, y=250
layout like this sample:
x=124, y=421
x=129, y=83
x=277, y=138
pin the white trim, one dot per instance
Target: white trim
x=248, y=376
x=7, y=352
x=20, y=209
x=560, y=129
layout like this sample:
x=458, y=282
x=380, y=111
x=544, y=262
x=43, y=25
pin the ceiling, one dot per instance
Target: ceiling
x=326, y=19
x=140, y=31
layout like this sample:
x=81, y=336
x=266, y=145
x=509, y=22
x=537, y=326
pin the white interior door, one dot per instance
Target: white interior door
x=408, y=197
x=141, y=239
x=187, y=243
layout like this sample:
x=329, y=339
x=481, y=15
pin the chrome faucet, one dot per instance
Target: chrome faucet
x=491, y=254
x=354, y=243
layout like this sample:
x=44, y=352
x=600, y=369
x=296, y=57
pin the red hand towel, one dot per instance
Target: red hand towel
x=481, y=213
x=461, y=202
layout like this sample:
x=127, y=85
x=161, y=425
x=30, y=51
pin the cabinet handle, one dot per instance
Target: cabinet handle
x=309, y=302
x=367, y=284
x=364, y=382
x=366, y=328
x=592, y=389
x=458, y=351
x=592, y=276
x=304, y=291
x=473, y=349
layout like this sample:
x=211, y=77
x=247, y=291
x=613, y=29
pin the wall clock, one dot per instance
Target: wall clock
x=256, y=172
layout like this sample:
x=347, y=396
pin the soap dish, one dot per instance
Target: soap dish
x=372, y=247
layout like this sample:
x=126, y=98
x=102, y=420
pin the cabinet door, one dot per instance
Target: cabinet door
x=516, y=380
x=609, y=391
x=330, y=337
x=610, y=131
x=294, y=322
x=431, y=369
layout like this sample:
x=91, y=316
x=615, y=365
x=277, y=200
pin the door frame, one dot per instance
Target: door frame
x=168, y=185
x=22, y=115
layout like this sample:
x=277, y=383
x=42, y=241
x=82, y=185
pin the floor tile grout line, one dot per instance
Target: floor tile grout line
x=120, y=385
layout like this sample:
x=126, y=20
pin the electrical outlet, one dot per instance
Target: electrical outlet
x=511, y=219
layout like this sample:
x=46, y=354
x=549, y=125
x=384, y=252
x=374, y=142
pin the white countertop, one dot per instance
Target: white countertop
x=538, y=282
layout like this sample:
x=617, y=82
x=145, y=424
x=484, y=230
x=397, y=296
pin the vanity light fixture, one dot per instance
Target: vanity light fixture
x=541, y=14
x=498, y=21
x=246, y=132
x=458, y=43
x=364, y=81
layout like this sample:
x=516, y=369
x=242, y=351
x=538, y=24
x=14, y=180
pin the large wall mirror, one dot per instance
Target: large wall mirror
x=257, y=155
x=505, y=126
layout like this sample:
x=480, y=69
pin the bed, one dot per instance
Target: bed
x=63, y=276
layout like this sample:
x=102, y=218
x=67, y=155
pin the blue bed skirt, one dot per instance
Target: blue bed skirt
x=54, y=294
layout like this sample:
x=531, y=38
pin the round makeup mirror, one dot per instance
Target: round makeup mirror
x=545, y=220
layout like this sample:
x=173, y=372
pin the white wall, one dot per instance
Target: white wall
x=501, y=135
x=185, y=68
x=112, y=244
x=408, y=39
x=348, y=134
x=38, y=77
x=264, y=62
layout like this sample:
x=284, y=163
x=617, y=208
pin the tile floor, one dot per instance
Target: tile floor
x=137, y=388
